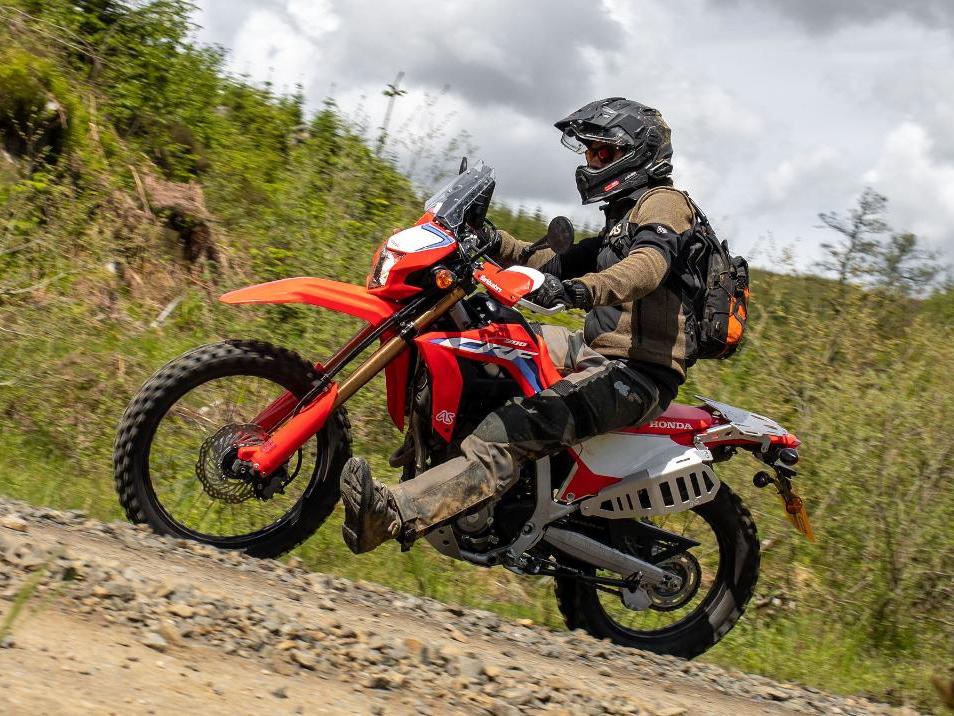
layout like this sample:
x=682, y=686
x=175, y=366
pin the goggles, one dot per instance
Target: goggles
x=580, y=142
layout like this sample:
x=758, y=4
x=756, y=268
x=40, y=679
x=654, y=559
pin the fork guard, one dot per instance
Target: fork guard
x=282, y=444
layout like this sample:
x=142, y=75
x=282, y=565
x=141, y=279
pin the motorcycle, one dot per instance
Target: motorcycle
x=240, y=444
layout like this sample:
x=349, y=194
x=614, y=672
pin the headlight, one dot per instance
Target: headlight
x=383, y=266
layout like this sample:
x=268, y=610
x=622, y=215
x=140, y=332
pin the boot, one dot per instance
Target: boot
x=371, y=516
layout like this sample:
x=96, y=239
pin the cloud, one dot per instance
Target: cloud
x=830, y=15
x=920, y=188
x=805, y=170
x=267, y=46
x=773, y=120
x=526, y=55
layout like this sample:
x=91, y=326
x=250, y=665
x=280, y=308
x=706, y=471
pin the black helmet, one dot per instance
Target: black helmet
x=637, y=129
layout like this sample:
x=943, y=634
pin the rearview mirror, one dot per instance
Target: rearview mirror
x=560, y=235
x=559, y=238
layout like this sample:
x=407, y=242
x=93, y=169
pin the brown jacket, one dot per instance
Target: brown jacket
x=635, y=314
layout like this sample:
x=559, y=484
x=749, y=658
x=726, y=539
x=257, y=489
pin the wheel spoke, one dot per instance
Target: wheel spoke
x=211, y=509
x=668, y=609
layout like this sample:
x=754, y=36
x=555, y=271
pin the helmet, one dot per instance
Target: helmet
x=637, y=129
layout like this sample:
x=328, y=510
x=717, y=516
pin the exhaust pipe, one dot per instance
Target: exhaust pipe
x=600, y=555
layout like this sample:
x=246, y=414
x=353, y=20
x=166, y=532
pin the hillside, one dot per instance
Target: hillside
x=137, y=183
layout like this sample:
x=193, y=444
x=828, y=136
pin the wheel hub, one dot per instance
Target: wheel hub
x=677, y=592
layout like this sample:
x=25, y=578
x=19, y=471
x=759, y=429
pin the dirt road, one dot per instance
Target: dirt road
x=112, y=619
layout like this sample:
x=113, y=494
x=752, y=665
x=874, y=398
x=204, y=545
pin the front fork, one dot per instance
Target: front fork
x=263, y=459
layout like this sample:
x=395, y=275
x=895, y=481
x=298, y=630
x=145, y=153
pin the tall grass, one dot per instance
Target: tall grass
x=863, y=378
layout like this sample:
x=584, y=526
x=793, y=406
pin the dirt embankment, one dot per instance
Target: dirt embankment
x=112, y=619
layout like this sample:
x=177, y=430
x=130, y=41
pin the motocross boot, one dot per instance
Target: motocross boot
x=371, y=516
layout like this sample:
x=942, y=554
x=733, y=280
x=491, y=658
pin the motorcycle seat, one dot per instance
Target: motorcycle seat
x=677, y=418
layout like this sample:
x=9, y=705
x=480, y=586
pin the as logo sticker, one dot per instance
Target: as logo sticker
x=446, y=417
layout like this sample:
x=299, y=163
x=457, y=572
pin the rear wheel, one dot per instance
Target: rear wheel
x=173, y=451
x=719, y=576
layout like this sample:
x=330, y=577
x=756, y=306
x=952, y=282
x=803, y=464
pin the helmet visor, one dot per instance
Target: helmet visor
x=578, y=141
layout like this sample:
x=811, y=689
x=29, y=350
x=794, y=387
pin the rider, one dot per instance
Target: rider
x=622, y=369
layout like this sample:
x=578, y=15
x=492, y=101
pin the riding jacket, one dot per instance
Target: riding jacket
x=637, y=315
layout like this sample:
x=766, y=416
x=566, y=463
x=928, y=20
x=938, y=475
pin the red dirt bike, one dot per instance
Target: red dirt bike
x=240, y=444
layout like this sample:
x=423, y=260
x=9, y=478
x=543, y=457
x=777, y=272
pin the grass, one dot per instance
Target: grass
x=24, y=594
x=862, y=377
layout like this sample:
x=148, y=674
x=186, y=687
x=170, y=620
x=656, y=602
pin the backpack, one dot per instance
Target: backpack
x=715, y=290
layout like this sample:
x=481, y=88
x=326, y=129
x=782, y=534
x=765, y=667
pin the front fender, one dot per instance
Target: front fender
x=334, y=295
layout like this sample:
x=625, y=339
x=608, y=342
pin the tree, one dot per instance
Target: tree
x=852, y=256
x=897, y=265
x=903, y=267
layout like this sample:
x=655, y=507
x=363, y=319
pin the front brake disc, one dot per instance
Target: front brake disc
x=216, y=476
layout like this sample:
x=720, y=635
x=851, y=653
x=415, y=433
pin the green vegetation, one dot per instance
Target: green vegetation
x=135, y=177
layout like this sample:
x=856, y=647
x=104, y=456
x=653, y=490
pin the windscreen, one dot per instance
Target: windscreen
x=452, y=202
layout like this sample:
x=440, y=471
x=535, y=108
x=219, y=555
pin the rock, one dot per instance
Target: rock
x=182, y=610
x=492, y=672
x=471, y=668
x=304, y=659
x=155, y=641
x=280, y=693
x=504, y=709
x=416, y=648
x=13, y=521
x=168, y=631
x=377, y=642
x=775, y=694
x=377, y=681
x=115, y=590
x=519, y=696
x=182, y=594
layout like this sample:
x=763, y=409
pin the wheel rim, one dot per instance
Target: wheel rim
x=655, y=623
x=196, y=413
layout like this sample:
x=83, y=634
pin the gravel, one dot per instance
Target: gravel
x=172, y=616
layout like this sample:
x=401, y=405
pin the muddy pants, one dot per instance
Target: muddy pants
x=597, y=395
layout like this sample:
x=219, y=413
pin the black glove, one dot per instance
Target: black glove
x=493, y=236
x=551, y=293
x=578, y=294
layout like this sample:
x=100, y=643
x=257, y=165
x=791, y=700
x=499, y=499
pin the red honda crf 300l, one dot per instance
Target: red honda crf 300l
x=240, y=444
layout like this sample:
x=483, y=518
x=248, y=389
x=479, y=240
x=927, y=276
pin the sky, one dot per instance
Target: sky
x=779, y=110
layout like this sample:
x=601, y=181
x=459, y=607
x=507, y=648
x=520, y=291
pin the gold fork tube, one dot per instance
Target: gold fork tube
x=289, y=436
x=387, y=352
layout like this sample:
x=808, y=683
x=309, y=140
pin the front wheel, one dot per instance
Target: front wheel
x=172, y=451
x=721, y=571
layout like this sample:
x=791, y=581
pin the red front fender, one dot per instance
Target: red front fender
x=335, y=295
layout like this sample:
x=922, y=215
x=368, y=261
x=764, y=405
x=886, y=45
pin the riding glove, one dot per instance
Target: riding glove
x=578, y=295
x=551, y=293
